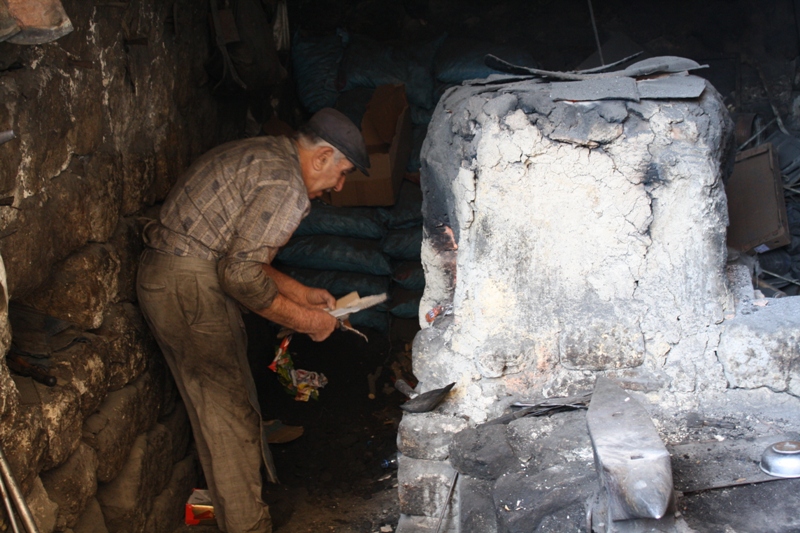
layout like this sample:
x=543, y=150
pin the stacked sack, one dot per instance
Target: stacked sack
x=369, y=250
x=402, y=243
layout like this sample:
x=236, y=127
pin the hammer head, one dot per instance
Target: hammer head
x=427, y=401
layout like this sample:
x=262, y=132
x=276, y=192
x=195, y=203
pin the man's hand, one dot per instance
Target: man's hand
x=320, y=298
x=324, y=327
x=314, y=322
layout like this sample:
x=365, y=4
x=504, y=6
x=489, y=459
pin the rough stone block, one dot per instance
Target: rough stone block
x=127, y=500
x=125, y=343
x=168, y=507
x=423, y=485
x=62, y=421
x=124, y=414
x=72, y=485
x=101, y=170
x=483, y=452
x=427, y=435
x=80, y=288
x=47, y=231
x=476, y=506
x=92, y=520
x=25, y=443
x=5, y=327
x=81, y=367
x=761, y=349
x=10, y=155
x=48, y=148
x=43, y=509
x=523, y=500
x=127, y=243
x=547, y=441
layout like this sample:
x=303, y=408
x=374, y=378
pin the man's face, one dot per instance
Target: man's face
x=332, y=177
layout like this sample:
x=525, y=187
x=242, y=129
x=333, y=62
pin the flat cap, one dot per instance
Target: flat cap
x=334, y=127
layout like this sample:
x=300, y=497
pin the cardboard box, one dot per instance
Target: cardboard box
x=386, y=127
x=756, y=206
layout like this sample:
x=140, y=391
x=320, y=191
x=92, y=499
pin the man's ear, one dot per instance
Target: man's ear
x=322, y=155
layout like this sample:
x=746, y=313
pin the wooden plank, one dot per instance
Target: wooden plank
x=717, y=464
x=632, y=461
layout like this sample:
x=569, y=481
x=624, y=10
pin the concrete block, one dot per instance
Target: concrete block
x=427, y=435
x=760, y=349
x=423, y=485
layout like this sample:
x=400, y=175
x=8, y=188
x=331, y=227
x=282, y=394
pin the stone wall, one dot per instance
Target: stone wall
x=106, y=118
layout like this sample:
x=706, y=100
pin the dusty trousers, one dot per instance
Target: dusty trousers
x=201, y=334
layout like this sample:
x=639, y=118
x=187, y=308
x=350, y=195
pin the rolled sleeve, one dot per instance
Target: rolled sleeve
x=247, y=282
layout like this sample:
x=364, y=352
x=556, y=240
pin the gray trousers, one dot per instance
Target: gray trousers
x=201, y=334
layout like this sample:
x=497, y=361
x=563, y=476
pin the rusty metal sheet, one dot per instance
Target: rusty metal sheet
x=713, y=465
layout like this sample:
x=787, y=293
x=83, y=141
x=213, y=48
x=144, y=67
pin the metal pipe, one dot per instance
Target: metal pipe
x=16, y=494
x=12, y=516
x=774, y=275
x=596, y=35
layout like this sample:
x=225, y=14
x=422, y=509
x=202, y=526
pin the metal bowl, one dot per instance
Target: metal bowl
x=782, y=459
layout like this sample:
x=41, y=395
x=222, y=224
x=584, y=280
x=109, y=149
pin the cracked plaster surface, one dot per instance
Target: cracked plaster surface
x=591, y=239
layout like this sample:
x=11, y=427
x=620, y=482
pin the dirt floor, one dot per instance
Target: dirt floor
x=331, y=477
